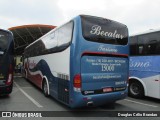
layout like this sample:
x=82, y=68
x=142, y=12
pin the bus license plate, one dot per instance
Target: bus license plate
x=107, y=90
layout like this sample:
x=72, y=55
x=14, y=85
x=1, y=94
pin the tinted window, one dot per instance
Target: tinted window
x=142, y=45
x=153, y=47
x=104, y=31
x=65, y=35
x=133, y=46
x=50, y=41
x=55, y=41
x=147, y=44
x=4, y=37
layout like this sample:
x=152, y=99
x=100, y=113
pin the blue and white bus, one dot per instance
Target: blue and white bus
x=81, y=63
x=144, y=77
x=6, y=62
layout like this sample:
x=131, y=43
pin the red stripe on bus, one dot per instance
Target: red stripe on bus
x=104, y=53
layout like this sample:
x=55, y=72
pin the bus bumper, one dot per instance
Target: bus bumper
x=97, y=99
x=4, y=90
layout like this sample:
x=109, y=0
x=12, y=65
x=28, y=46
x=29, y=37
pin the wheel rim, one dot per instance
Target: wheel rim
x=135, y=89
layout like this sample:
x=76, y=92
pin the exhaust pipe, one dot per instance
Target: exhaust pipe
x=90, y=104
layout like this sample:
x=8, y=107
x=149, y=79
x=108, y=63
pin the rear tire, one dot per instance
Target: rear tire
x=45, y=88
x=135, y=89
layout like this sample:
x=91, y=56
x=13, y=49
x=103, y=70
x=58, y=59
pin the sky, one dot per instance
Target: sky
x=138, y=15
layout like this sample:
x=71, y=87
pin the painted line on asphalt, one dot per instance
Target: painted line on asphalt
x=28, y=96
x=140, y=103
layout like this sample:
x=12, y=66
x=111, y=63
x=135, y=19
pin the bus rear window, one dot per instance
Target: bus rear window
x=3, y=41
x=102, y=30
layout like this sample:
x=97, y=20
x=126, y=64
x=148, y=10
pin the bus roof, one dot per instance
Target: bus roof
x=146, y=32
x=5, y=30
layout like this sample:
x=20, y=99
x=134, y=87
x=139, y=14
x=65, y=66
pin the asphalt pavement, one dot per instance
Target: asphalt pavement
x=27, y=97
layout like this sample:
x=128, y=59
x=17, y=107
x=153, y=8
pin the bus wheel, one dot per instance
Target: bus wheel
x=45, y=88
x=135, y=89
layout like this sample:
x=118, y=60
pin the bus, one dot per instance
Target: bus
x=84, y=62
x=144, y=67
x=6, y=62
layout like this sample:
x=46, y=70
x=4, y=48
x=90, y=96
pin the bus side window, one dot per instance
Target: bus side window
x=65, y=35
x=151, y=47
x=141, y=49
x=158, y=48
x=142, y=45
x=133, y=46
x=50, y=41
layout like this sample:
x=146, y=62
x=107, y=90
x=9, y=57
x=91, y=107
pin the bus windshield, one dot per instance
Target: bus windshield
x=6, y=62
x=101, y=30
x=3, y=42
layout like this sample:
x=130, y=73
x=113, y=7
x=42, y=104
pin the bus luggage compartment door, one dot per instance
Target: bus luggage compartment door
x=101, y=74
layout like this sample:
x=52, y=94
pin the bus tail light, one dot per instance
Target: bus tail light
x=10, y=75
x=77, y=82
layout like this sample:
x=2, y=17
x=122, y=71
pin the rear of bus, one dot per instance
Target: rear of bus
x=6, y=62
x=99, y=61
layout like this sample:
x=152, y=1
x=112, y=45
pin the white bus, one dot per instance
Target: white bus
x=144, y=77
